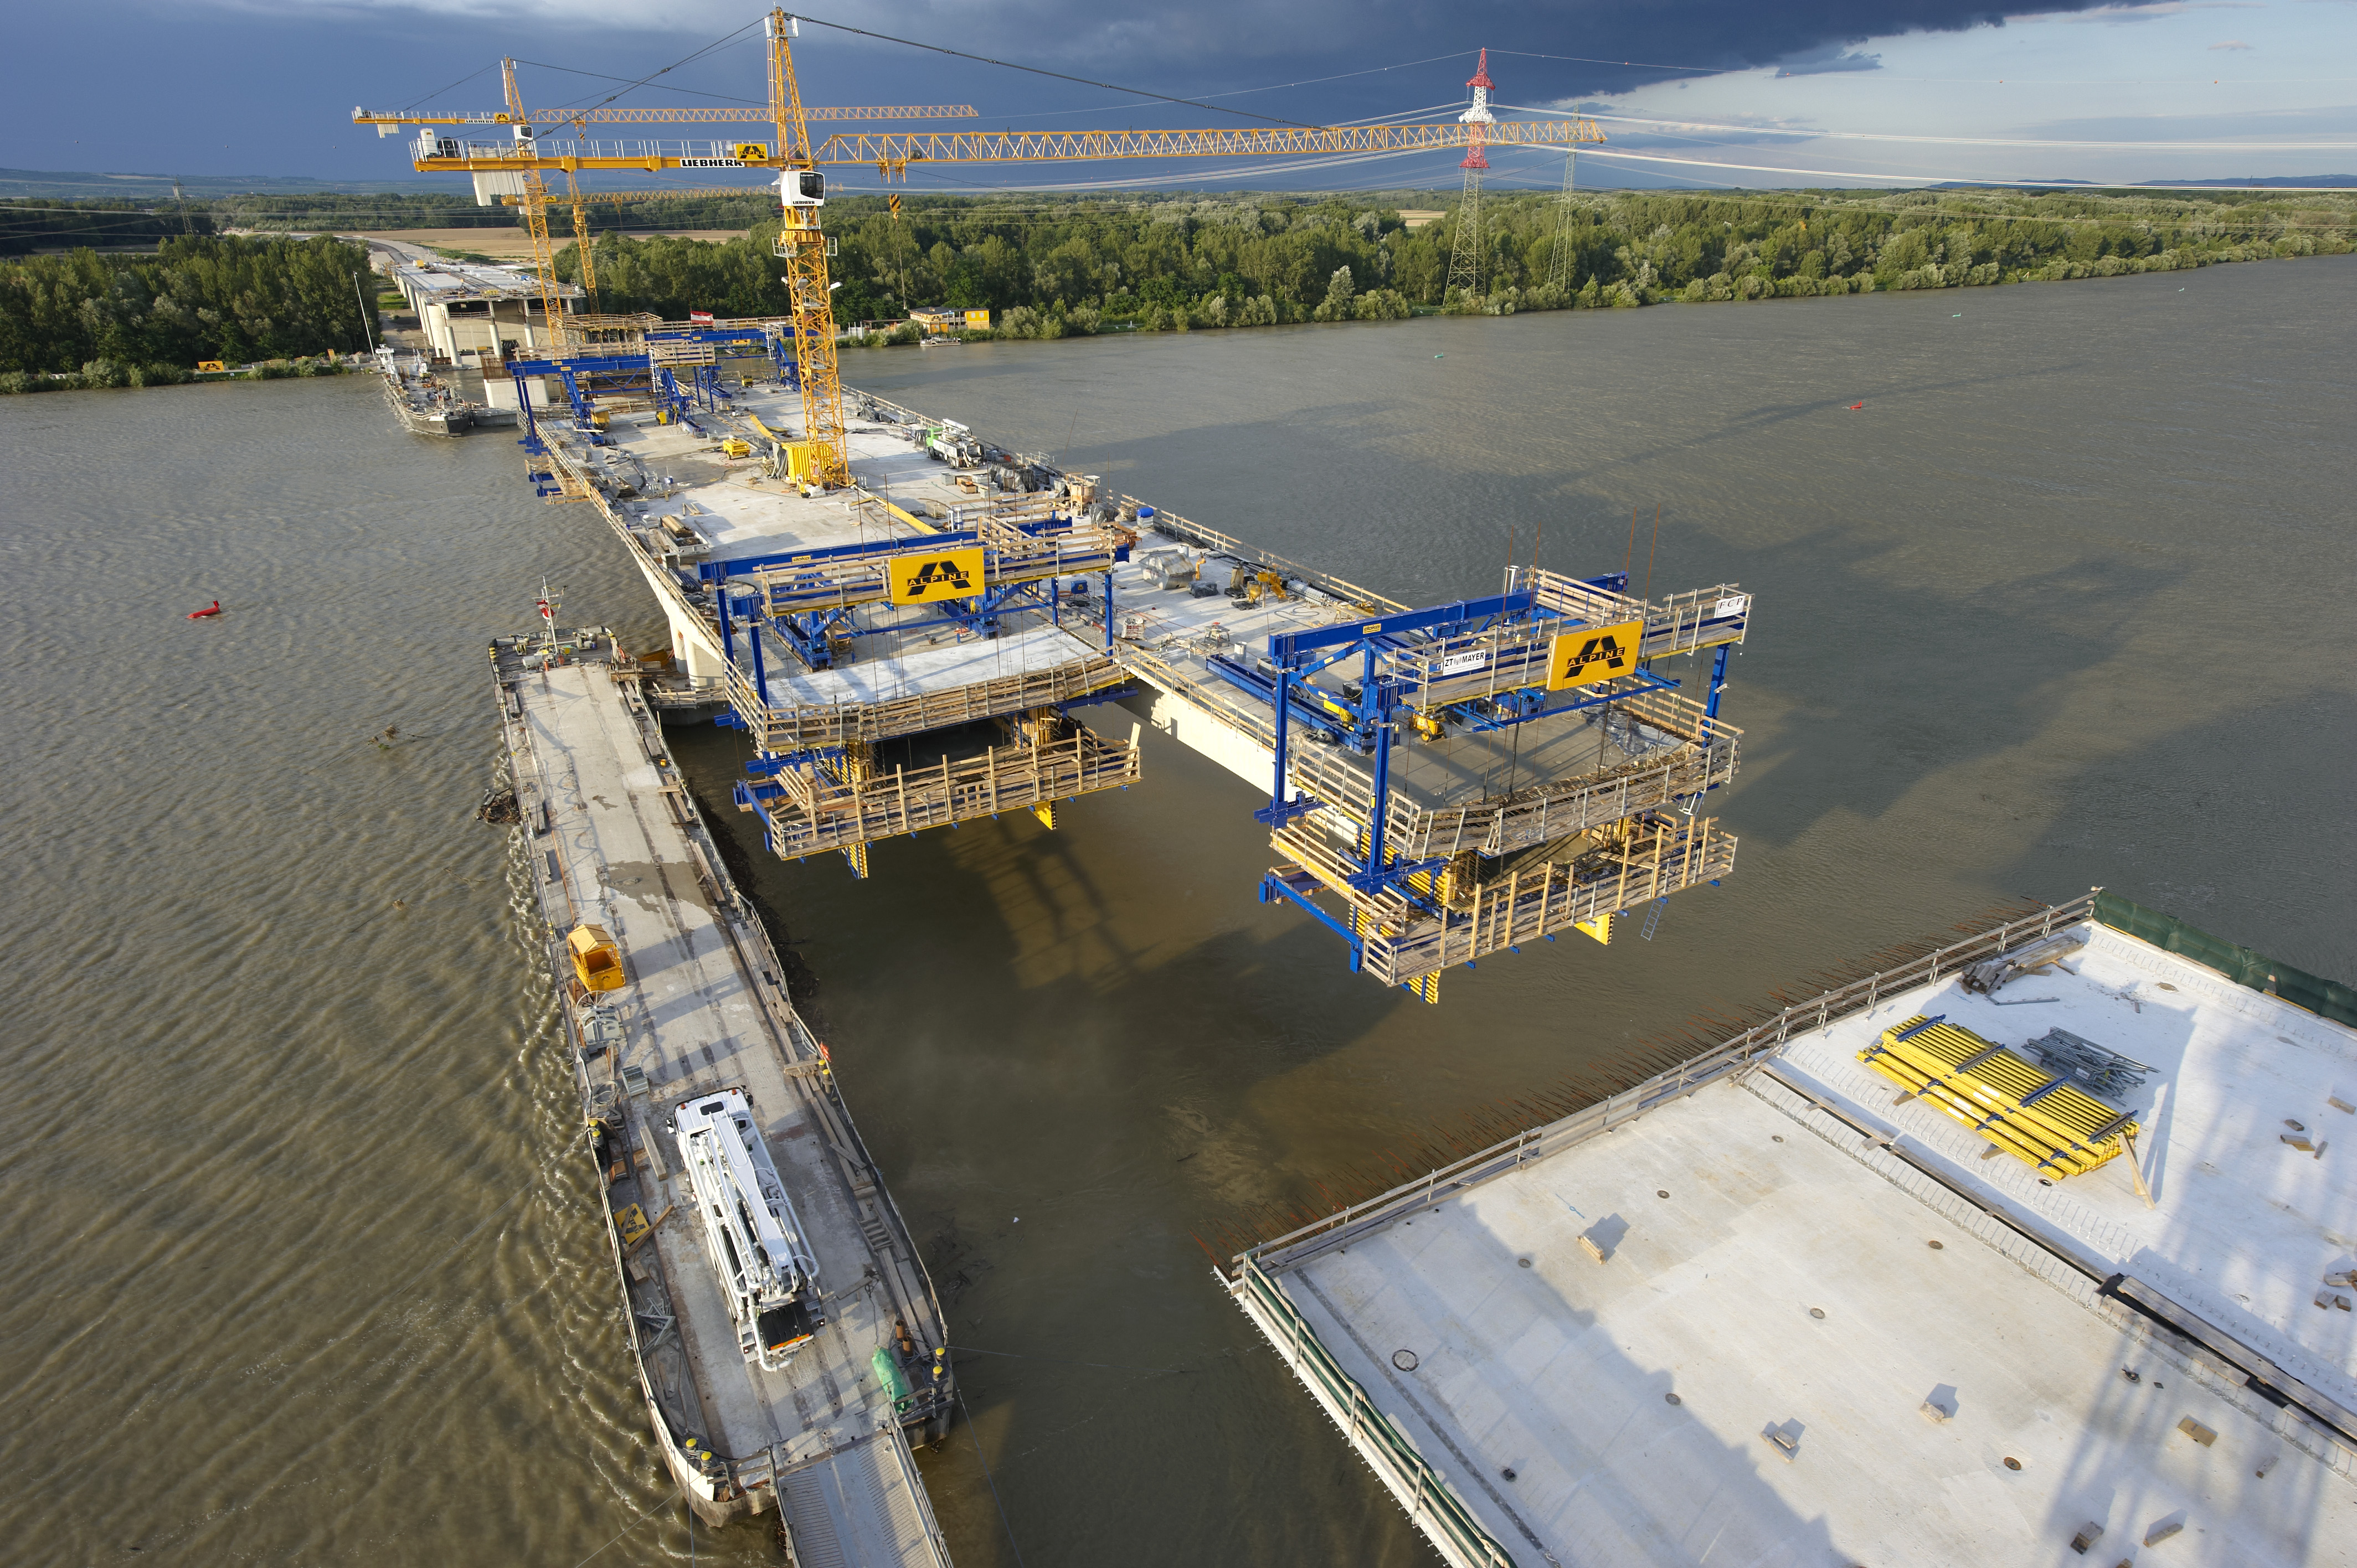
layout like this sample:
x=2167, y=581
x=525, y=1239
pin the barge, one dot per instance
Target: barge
x=422, y=401
x=785, y=1336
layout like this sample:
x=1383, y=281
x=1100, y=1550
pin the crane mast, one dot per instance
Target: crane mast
x=803, y=246
x=513, y=173
x=532, y=191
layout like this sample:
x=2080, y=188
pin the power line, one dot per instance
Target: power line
x=683, y=59
x=1058, y=75
x=691, y=92
x=440, y=90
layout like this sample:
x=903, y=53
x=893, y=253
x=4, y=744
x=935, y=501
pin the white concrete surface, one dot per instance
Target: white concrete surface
x=936, y=659
x=1562, y=1372
x=2245, y=1225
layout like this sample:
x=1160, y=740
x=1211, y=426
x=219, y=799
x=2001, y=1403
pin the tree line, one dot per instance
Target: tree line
x=1173, y=262
x=1049, y=265
x=117, y=319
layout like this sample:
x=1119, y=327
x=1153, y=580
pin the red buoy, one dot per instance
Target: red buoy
x=1855, y=406
x=207, y=613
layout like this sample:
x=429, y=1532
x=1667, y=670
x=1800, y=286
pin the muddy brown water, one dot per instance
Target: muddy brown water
x=304, y=1264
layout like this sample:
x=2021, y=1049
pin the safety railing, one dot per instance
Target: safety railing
x=1731, y=1054
x=1706, y=757
x=1218, y=544
x=1561, y=808
x=817, y=813
x=829, y=582
x=1432, y=1503
x=1527, y=905
x=811, y=725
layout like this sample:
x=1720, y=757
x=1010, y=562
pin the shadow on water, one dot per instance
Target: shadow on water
x=2170, y=819
x=272, y=973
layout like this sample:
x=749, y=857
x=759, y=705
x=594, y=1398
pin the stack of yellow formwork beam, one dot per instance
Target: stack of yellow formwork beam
x=2041, y=1120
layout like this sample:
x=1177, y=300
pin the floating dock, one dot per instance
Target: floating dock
x=679, y=1029
x=943, y=640
x=1770, y=1306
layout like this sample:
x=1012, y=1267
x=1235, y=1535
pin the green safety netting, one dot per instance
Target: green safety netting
x=2326, y=998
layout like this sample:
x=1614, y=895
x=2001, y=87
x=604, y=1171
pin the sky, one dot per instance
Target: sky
x=1692, y=93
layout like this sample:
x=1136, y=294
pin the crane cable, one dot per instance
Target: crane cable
x=1060, y=76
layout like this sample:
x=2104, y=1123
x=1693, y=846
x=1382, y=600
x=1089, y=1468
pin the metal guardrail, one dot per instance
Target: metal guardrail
x=1432, y=1504
x=1732, y=1054
x=814, y=815
x=812, y=725
x=1525, y=907
x=1211, y=539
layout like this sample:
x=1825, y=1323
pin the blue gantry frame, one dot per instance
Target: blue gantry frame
x=584, y=376
x=1365, y=725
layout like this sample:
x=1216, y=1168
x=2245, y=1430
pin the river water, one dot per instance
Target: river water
x=307, y=1270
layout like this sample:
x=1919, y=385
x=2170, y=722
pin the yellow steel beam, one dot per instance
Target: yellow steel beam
x=751, y=113
x=1274, y=141
x=896, y=148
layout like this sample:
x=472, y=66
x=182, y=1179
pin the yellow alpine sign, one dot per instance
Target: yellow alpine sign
x=1593, y=654
x=942, y=575
x=753, y=151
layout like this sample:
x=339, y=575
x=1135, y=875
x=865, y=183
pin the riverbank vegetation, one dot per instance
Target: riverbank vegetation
x=1049, y=267
x=116, y=320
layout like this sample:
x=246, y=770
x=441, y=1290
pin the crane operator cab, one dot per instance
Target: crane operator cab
x=803, y=188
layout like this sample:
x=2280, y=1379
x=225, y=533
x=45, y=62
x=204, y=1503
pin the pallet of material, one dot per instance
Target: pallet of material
x=2019, y=1107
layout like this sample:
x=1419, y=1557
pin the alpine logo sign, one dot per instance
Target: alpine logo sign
x=942, y=575
x=1593, y=654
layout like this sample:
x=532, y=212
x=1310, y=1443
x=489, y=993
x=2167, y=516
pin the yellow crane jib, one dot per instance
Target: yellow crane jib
x=511, y=168
x=388, y=121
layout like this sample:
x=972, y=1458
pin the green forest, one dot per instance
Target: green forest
x=1052, y=266
x=1048, y=266
x=115, y=320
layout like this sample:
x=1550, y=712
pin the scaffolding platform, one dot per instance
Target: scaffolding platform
x=1442, y=782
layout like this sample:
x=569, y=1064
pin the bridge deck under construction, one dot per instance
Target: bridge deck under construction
x=1441, y=782
x=1758, y=1309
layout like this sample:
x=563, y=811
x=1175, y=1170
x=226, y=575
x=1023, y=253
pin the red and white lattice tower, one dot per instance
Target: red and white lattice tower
x=1465, y=257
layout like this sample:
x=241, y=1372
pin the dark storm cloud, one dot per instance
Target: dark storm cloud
x=1214, y=45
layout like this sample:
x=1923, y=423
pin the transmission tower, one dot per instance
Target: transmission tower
x=1559, y=262
x=1465, y=257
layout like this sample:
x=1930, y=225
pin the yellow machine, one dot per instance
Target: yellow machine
x=513, y=171
x=597, y=961
x=734, y=447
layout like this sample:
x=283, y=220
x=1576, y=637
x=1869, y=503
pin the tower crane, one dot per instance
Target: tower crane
x=513, y=170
